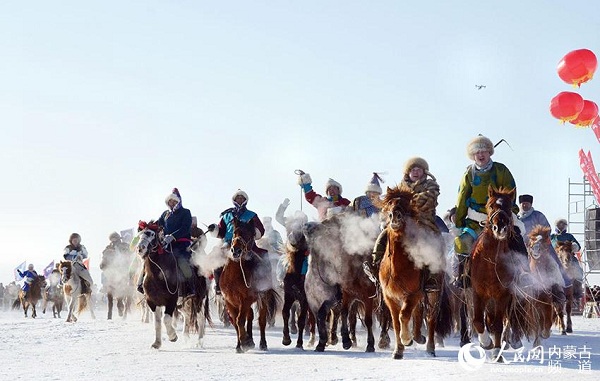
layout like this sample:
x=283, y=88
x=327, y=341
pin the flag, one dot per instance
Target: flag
x=596, y=127
x=587, y=166
x=22, y=267
x=48, y=269
x=127, y=235
x=86, y=263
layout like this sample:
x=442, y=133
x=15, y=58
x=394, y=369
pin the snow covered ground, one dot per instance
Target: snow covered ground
x=51, y=349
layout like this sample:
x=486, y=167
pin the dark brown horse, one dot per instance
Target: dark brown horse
x=293, y=288
x=499, y=269
x=246, y=279
x=335, y=279
x=410, y=248
x=161, y=286
x=33, y=295
x=573, y=292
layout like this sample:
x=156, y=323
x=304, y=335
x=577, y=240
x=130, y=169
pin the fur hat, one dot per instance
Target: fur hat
x=479, y=143
x=416, y=162
x=174, y=195
x=240, y=193
x=332, y=183
x=373, y=185
x=114, y=236
x=526, y=198
x=561, y=220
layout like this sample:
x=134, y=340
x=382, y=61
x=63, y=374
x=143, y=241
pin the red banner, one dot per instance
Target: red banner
x=587, y=166
x=596, y=128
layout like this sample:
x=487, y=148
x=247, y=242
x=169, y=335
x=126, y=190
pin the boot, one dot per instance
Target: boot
x=459, y=276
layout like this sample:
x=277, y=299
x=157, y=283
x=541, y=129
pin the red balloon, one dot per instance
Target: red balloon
x=587, y=115
x=566, y=106
x=577, y=67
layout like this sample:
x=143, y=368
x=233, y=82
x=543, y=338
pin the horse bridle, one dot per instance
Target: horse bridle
x=494, y=226
x=396, y=214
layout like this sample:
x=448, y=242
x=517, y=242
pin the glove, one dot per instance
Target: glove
x=304, y=179
x=168, y=239
x=286, y=202
x=211, y=228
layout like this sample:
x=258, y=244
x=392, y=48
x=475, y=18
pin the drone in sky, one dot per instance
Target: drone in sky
x=479, y=87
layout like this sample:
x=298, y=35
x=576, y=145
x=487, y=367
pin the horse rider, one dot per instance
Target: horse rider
x=365, y=205
x=76, y=253
x=472, y=198
x=425, y=194
x=224, y=229
x=28, y=276
x=560, y=234
x=327, y=206
x=176, y=223
x=116, y=252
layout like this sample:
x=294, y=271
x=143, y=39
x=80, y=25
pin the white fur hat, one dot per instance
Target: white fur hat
x=332, y=183
x=174, y=195
x=479, y=143
x=240, y=193
x=373, y=185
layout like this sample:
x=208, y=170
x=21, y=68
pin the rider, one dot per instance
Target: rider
x=116, y=252
x=332, y=204
x=364, y=205
x=224, y=229
x=76, y=253
x=425, y=193
x=28, y=277
x=561, y=234
x=472, y=198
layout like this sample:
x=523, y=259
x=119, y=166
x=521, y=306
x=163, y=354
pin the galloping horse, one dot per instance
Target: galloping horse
x=77, y=291
x=246, y=279
x=118, y=281
x=293, y=288
x=54, y=293
x=543, y=269
x=33, y=295
x=574, y=271
x=497, y=265
x=335, y=278
x=411, y=247
x=160, y=284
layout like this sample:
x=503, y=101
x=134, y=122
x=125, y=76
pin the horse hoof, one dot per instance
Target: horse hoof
x=569, y=330
x=263, y=347
x=408, y=343
x=320, y=348
x=464, y=342
x=286, y=341
x=299, y=346
x=383, y=344
x=564, y=333
x=487, y=347
x=420, y=340
x=517, y=344
x=370, y=349
x=294, y=330
x=398, y=355
x=156, y=345
x=346, y=344
x=431, y=353
x=333, y=341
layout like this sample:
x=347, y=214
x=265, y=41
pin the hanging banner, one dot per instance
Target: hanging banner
x=589, y=171
x=596, y=128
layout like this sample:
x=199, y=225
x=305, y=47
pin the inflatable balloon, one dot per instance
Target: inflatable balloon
x=587, y=116
x=577, y=67
x=566, y=106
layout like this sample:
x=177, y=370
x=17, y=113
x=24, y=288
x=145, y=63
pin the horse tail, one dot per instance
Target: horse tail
x=520, y=320
x=269, y=300
x=16, y=304
x=207, y=309
x=443, y=326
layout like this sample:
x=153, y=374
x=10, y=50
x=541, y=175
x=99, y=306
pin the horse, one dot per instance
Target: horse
x=410, y=248
x=544, y=269
x=161, y=283
x=33, y=295
x=245, y=280
x=499, y=269
x=335, y=278
x=78, y=293
x=293, y=288
x=117, y=280
x=574, y=272
x=54, y=293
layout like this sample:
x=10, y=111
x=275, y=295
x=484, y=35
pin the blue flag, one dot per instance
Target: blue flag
x=22, y=267
x=48, y=269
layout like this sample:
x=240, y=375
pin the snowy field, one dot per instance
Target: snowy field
x=51, y=349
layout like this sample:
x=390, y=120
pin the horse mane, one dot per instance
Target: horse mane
x=540, y=230
x=399, y=192
x=500, y=198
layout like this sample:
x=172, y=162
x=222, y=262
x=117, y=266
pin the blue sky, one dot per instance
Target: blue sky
x=106, y=106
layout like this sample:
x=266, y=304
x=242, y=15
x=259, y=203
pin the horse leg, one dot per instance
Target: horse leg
x=499, y=311
x=293, y=313
x=322, y=324
x=432, y=310
x=369, y=324
x=109, y=297
x=312, y=325
x=249, y=342
x=33, y=311
x=406, y=313
x=395, y=315
x=465, y=334
x=157, y=326
x=262, y=322
x=334, y=316
x=168, y=320
x=568, y=308
x=352, y=321
x=301, y=323
x=384, y=321
x=235, y=314
x=417, y=317
x=120, y=306
x=560, y=319
x=285, y=314
x=485, y=340
x=346, y=342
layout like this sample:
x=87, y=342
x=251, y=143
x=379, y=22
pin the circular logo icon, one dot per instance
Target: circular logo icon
x=466, y=359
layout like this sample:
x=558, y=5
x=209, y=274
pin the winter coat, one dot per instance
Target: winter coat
x=532, y=219
x=75, y=253
x=364, y=206
x=177, y=223
x=473, y=192
x=425, y=195
x=225, y=226
x=563, y=236
x=323, y=204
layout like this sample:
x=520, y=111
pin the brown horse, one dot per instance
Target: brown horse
x=543, y=269
x=33, y=295
x=246, y=279
x=410, y=248
x=293, y=288
x=573, y=292
x=499, y=269
x=161, y=284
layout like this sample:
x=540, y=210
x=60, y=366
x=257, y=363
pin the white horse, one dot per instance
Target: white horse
x=77, y=292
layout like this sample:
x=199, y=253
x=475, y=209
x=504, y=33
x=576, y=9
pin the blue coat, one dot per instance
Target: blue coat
x=177, y=223
x=226, y=225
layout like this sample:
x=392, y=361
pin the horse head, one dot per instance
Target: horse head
x=242, y=242
x=147, y=238
x=66, y=270
x=396, y=206
x=539, y=242
x=499, y=207
x=564, y=250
